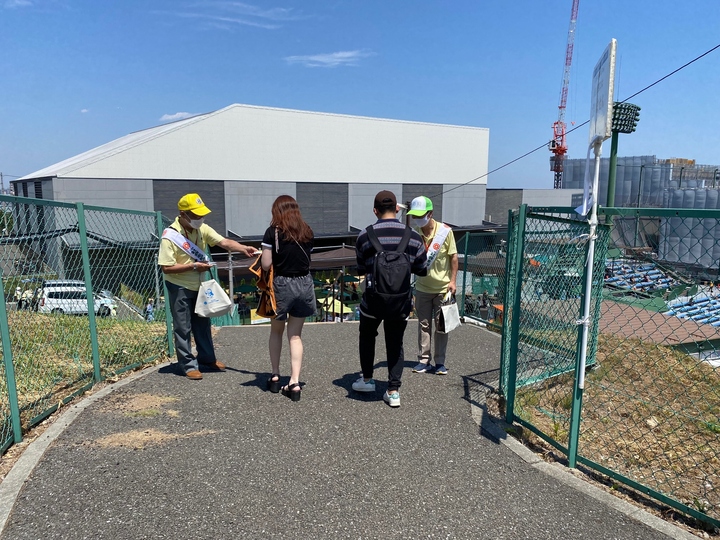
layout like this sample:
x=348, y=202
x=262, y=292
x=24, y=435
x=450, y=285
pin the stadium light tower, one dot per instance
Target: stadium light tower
x=624, y=120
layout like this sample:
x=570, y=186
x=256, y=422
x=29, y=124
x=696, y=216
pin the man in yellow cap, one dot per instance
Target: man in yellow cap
x=183, y=261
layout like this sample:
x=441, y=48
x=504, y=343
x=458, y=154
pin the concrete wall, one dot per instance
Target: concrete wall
x=499, y=201
x=167, y=193
x=464, y=205
x=113, y=193
x=249, y=205
x=549, y=197
x=360, y=202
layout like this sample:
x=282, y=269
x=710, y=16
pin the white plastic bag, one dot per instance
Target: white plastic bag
x=448, y=316
x=212, y=300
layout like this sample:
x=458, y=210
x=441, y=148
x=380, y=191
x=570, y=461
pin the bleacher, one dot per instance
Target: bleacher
x=703, y=308
x=637, y=276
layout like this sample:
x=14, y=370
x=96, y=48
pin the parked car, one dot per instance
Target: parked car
x=72, y=300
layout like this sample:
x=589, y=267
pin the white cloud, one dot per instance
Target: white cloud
x=84, y=111
x=340, y=58
x=176, y=116
x=227, y=14
x=9, y=4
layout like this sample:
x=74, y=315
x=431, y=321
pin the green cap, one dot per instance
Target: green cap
x=420, y=206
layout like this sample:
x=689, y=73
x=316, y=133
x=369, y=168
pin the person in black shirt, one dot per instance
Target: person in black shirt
x=390, y=233
x=286, y=247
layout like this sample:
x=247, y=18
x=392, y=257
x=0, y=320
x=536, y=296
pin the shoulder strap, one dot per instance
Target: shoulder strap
x=372, y=236
x=402, y=246
x=185, y=244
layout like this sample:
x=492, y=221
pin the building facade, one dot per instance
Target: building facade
x=240, y=158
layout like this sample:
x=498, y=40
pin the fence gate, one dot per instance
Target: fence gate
x=647, y=412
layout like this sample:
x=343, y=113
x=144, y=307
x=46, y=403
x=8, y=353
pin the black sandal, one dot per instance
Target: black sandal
x=274, y=386
x=288, y=391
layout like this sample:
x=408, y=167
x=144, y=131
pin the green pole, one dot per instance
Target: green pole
x=613, y=170
x=514, y=313
x=82, y=230
x=465, y=269
x=9, y=369
x=168, y=314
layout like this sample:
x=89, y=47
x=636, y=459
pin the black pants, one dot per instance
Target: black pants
x=394, y=333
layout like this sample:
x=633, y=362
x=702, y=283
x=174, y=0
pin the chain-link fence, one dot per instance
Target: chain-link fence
x=649, y=413
x=77, y=281
x=481, y=279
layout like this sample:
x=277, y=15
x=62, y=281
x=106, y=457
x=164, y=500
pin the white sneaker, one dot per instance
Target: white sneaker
x=392, y=399
x=361, y=385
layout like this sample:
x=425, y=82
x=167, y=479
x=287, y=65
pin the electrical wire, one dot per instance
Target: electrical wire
x=544, y=145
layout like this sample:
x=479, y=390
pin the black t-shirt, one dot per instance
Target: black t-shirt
x=292, y=258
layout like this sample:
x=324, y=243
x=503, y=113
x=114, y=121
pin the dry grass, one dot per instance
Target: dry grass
x=650, y=413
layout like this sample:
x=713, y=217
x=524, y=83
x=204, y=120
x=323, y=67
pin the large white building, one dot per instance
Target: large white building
x=240, y=158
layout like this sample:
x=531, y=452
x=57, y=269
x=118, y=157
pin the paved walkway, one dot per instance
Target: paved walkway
x=160, y=456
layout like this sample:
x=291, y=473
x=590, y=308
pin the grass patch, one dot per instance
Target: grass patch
x=52, y=355
x=650, y=413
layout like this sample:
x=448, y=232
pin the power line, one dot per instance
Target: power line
x=544, y=145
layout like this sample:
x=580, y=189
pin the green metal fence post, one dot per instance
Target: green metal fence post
x=514, y=313
x=168, y=314
x=465, y=275
x=82, y=230
x=9, y=367
x=613, y=170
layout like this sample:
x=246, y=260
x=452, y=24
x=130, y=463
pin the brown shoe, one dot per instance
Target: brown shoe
x=217, y=365
x=194, y=374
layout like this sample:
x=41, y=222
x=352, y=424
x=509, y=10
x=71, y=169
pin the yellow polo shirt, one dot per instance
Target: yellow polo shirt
x=171, y=254
x=439, y=272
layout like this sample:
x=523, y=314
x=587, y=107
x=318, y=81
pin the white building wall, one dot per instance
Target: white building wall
x=248, y=205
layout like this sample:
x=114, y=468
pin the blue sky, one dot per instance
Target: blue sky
x=75, y=74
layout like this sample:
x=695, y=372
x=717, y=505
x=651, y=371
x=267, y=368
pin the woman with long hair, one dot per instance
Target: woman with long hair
x=286, y=247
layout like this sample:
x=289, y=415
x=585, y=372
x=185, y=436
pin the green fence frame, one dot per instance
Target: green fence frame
x=647, y=221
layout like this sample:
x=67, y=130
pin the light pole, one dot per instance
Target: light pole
x=624, y=120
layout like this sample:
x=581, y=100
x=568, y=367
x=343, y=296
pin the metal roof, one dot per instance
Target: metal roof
x=250, y=143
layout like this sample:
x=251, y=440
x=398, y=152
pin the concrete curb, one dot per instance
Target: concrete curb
x=497, y=430
x=13, y=482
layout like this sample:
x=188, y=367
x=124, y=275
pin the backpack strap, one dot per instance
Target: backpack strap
x=372, y=236
x=401, y=247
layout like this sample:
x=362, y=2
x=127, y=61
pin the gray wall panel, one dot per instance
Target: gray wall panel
x=499, y=201
x=167, y=193
x=249, y=205
x=360, y=202
x=324, y=206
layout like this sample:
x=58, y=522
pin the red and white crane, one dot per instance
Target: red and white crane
x=558, y=145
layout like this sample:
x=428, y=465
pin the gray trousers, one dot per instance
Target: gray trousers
x=185, y=322
x=427, y=306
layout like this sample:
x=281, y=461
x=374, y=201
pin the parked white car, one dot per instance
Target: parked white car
x=72, y=300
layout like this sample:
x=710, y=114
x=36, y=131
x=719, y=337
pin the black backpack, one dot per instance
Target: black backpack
x=388, y=293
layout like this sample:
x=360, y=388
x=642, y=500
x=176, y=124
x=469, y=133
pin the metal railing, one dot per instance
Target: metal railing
x=75, y=283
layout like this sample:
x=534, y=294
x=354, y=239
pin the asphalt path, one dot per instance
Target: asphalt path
x=223, y=458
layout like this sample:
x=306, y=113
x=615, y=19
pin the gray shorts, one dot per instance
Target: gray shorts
x=294, y=296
